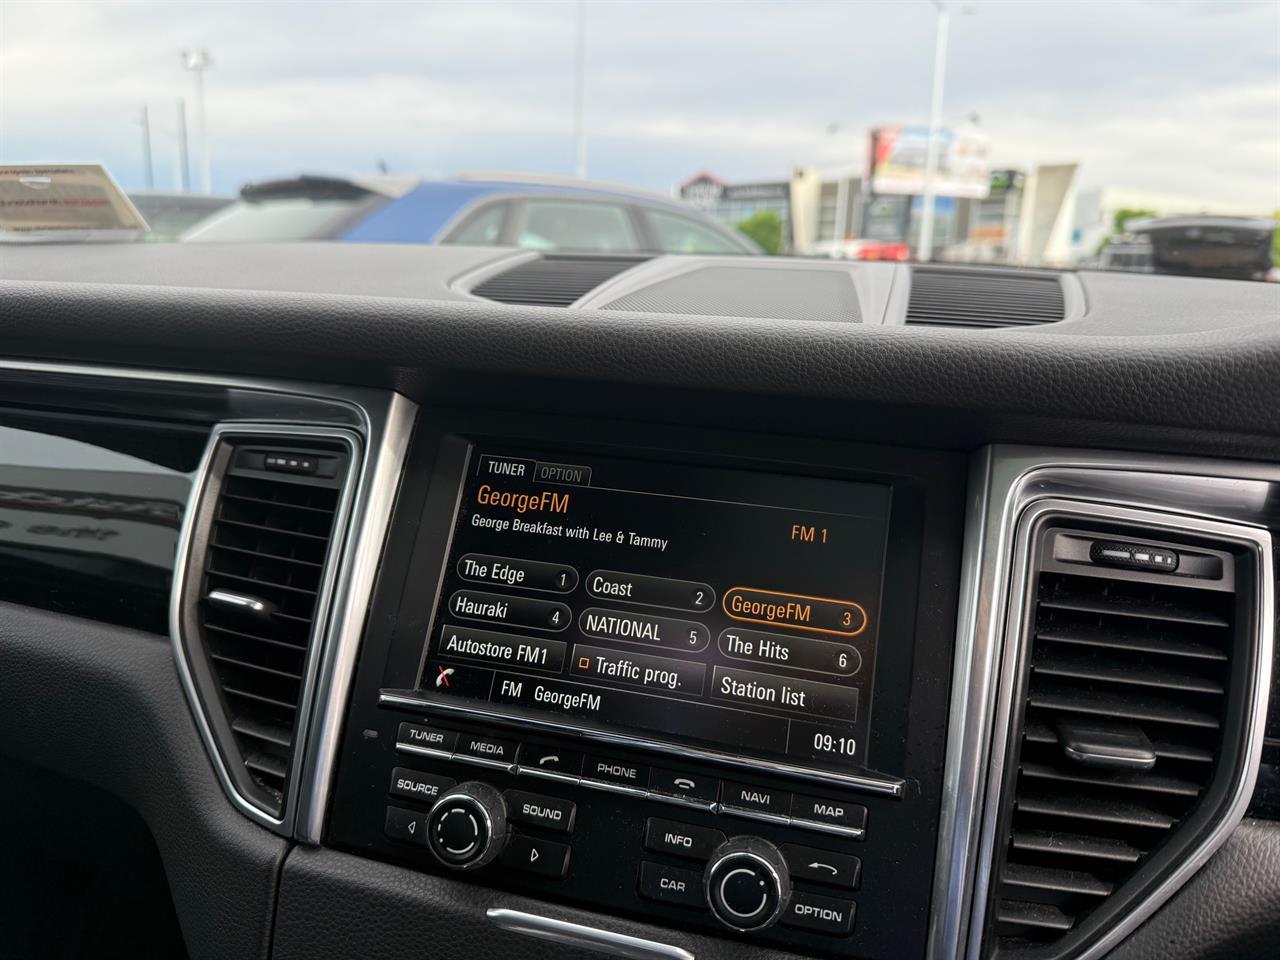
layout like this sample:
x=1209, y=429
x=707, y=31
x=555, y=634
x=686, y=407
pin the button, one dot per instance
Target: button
x=415, y=785
x=691, y=786
x=680, y=839
x=497, y=752
x=753, y=799
x=822, y=866
x=671, y=885
x=809, y=911
x=550, y=761
x=428, y=738
x=605, y=770
x=545, y=858
x=513, y=611
x=743, y=892
x=550, y=813
x=834, y=813
x=407, y=826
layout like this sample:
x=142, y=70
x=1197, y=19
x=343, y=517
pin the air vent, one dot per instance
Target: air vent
x=1124, y=719
x=253, y=610
x=552, y=280
x=959, y=297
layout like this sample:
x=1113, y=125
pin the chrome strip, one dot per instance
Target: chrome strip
x=321, y=626
x=888, y=787
x=586, y=938
x=1177, y=493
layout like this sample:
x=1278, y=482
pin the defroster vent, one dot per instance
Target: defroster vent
x=976, y=297
x=554, y=280
x=261, y=557
x=1124, y=730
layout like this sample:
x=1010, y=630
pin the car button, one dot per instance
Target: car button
x=546, y=858
x=550, y=813
x=809, y=911
x=832, y=813
x=671, y=885
x=501, y=753
x=689, y=786
x=426, y=738
x=746, y=798
x=822, y=866
x=416, y=785
x=622, y=772
x=407, y=826
x=680, y=839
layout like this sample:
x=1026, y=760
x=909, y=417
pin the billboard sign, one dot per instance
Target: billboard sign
x=898, y=156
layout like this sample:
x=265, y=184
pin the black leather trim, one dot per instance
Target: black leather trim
x=103, y=704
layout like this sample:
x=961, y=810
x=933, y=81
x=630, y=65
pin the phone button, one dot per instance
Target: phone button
x=551, y=762
x=680, y=839
x=694, y=787
x=822, y=866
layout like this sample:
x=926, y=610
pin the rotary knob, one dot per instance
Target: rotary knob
x=747, y=883
x=467, y=828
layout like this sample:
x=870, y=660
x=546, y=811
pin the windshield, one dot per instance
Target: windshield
x=1040, y=134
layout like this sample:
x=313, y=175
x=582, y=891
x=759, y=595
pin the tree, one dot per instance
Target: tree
x=1125, y=214
x=765, y=228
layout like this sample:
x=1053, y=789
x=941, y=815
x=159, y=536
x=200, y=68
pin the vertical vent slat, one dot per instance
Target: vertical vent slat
x=970, y=297
x=269, y=538
x=1146, y=659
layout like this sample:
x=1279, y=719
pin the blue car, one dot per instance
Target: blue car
x=545, y=215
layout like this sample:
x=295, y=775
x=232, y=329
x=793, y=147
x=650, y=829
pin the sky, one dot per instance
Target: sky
x=1177, y=98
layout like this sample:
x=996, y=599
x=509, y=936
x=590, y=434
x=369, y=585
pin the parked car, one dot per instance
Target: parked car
x=535, y=214
x=171, y=214
x=1232, y=248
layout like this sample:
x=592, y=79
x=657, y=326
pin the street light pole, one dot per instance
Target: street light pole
x=148, y=170
x=924, y=251
x=198, y=61
x=580, y=96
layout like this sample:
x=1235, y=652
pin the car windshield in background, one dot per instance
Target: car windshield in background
x=1014, y=134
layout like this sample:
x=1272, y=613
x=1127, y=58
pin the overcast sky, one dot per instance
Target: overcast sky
x=1173, y=97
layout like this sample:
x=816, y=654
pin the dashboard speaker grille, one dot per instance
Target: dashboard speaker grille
x=959, y=297
x=266, y=552
x=552, y=280
x=1124, y=710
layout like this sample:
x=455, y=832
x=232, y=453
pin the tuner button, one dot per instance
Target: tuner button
x=747, y=883
x=467, y=827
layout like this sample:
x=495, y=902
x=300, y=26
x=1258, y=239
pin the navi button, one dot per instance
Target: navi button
x=745, y=799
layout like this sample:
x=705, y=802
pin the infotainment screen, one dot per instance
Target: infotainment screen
x=733, y=610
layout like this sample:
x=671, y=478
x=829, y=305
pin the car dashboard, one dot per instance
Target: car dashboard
x=468, y=602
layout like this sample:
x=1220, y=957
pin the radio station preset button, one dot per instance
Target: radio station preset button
x=552, y=762
x=811, y=911
x=513, y=611
x=406, y=826
x=426, y=738
x=490, y=750
x=822, y=866
x=516, y=573
x=680, y=839
x=501, y=649
x=416, y=785
x=650, y=591
x=674, y=885
x=828, y=657
x=834, y=813
x=544, y=858
x=675, y=784
x=845, y=618
x=536, y=810
x=627, y=626
x=619, y=772
x=748, y=798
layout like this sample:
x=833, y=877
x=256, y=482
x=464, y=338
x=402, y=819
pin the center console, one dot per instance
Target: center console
x=697, y=680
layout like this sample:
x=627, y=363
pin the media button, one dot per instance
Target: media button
x=604, y=770
x=680, y=839
x=676, y=785
x=809, y=911
x=424, y=738
x=545, y=858
x=416, y=785
x=488, y=751
x=674, y=885
x=822, y=866
x=549, y=813
x=746, y=798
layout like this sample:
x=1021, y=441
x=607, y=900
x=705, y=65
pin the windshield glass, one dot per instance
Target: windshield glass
x=1133, y=136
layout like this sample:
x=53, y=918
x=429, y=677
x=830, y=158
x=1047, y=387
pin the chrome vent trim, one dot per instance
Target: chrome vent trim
x=197, y=522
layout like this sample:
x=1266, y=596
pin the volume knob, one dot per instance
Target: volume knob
x=467, y=828
x=747, y=883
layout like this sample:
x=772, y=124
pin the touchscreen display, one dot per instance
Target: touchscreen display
x=730, y=609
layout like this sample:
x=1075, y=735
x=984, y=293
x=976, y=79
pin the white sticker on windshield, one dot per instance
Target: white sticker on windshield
x=60, y=200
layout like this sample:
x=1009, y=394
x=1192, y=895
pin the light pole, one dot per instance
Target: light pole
x=148, y=170
x=580, y=96
x=924, y=252
x=197, y=62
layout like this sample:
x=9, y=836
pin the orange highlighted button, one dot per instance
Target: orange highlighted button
x=799, y=612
